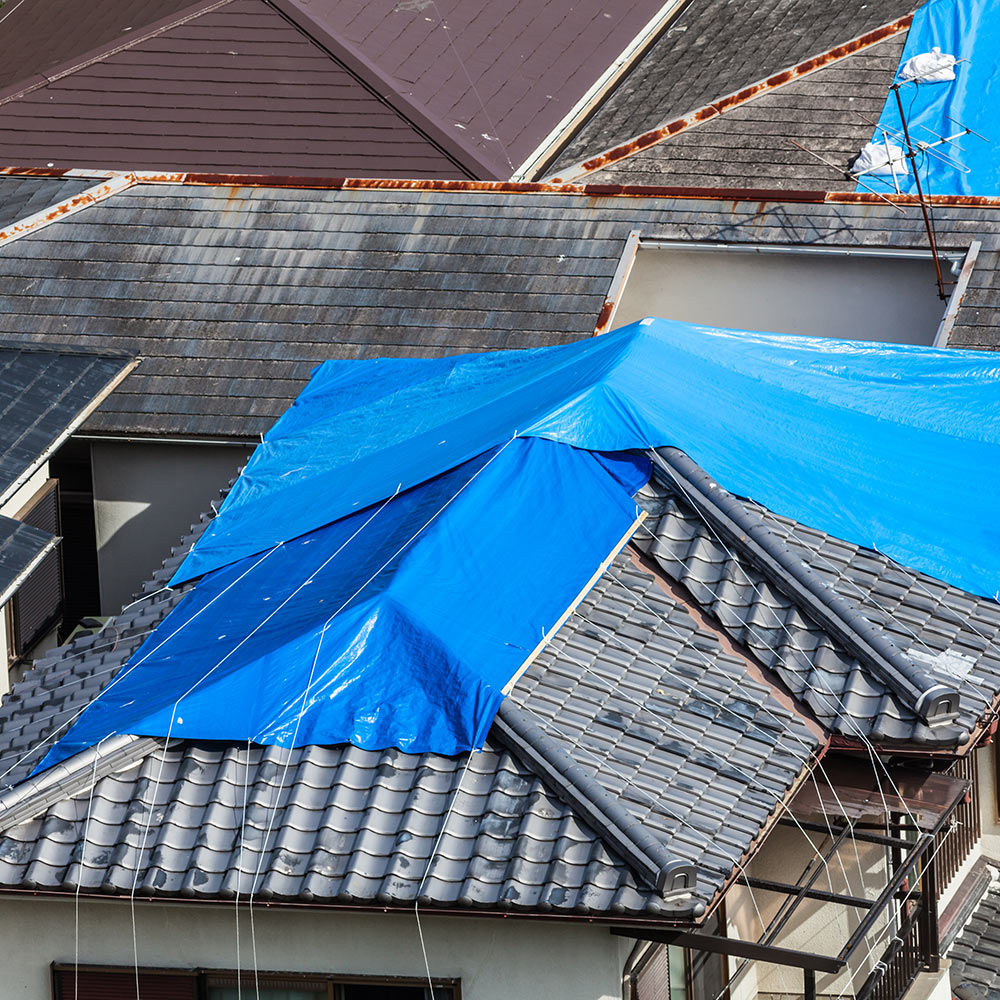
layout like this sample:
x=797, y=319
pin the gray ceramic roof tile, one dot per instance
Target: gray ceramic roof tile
x=696, y=747
x=952, y=635
x=975, y=955
x=716, y=48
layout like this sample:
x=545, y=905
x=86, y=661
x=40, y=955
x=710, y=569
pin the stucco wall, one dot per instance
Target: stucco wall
x=809, y=294
x=496, y=958
x=146, y=497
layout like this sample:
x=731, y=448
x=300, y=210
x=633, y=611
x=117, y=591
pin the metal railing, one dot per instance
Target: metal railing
x=954, y=846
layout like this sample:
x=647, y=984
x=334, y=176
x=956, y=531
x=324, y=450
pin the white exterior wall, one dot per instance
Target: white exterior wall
x=146, y=497
x=990, y=842
x=495, y=958
x=817, y=927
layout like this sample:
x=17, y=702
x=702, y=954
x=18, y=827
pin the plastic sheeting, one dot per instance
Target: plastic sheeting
x=396, y=626
x=970, y=31
x=884, y=445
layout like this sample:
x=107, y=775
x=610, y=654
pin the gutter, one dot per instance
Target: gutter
x=936, y=703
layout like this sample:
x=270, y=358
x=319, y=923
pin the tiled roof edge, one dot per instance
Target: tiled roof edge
x=936, y=703
x=649, y=859
x=35, y=794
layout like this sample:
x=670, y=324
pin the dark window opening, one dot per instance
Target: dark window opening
x=71, y=465
x=101, y=983
x=37, y=606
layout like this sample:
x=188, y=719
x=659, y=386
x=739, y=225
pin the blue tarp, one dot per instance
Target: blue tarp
x=410, y=530
x=396, y=626
x=884, y=445
x=969, y=30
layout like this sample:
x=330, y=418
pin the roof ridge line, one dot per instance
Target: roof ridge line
x=102, y=52
x=653, y=137
x=644, y=853
x=364, y=69
x=26, y=800
x=935, y=703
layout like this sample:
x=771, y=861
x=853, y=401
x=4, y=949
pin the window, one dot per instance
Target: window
x=37, y=606
x=850, y=293
x=672, y=973
x=105, y=983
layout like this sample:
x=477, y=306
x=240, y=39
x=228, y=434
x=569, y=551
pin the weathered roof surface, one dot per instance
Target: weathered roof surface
x=749, y=146
x=20, y=546
x=975, y=956
x=21, y=196
x=42, y=34
x=688, y=737
x=718, y=47
x=43, y=393
x=322, y=87
x=499, y=76
x=233, y=294
x=230, y=87
x=952, y=635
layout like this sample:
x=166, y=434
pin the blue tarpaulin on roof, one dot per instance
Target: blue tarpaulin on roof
x=396, y=626
x=970, y=31
x=419, y=526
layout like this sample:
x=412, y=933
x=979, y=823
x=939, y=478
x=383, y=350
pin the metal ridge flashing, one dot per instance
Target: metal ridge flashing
x=612, y=822
x=936, y=703
x=23, y=802
x=732, y=100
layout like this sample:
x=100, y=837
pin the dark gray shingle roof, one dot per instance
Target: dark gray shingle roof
x=21, y=196
x=232, y=295
x=718, y=47
x=43, y=392
x=20, y=547
x=688, y=738
x=749, y=146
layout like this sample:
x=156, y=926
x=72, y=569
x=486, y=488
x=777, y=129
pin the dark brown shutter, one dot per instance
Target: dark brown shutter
x=120, y=985
x=653, y=980
x=39, y=600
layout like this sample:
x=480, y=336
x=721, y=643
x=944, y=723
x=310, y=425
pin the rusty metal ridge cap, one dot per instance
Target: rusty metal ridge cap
x=729, y=101
x=45, y=217
x=72, y=172
x=679, y=193
x=102, y=52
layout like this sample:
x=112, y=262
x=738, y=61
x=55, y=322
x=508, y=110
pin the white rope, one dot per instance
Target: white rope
x=427, y=871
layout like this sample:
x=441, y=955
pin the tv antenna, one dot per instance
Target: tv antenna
x=889, y=152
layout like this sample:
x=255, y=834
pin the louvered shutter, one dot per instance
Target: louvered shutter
x=120, y=985
x=38, y=603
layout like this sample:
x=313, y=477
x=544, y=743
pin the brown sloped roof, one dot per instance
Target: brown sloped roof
x=360, y=88
x=230, y=86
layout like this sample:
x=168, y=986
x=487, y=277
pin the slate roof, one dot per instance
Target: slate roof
x=314, y=87
x=975, y=956
x=44, y=394
x=950, y=634
x=687, y=737
x=22, y=196
x=21, y=547
x=749, y=146
x=232, y=295
x=718, y=47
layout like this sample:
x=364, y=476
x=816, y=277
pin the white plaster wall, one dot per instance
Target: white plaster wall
x=988, y=803
x=807, y=294
x=817, y=927
x=146, y=497
x=496, y=958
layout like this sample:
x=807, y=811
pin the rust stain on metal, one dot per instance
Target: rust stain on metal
x=604, y=317
x=730, y=101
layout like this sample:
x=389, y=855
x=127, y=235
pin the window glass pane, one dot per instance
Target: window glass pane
x=678, y=980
